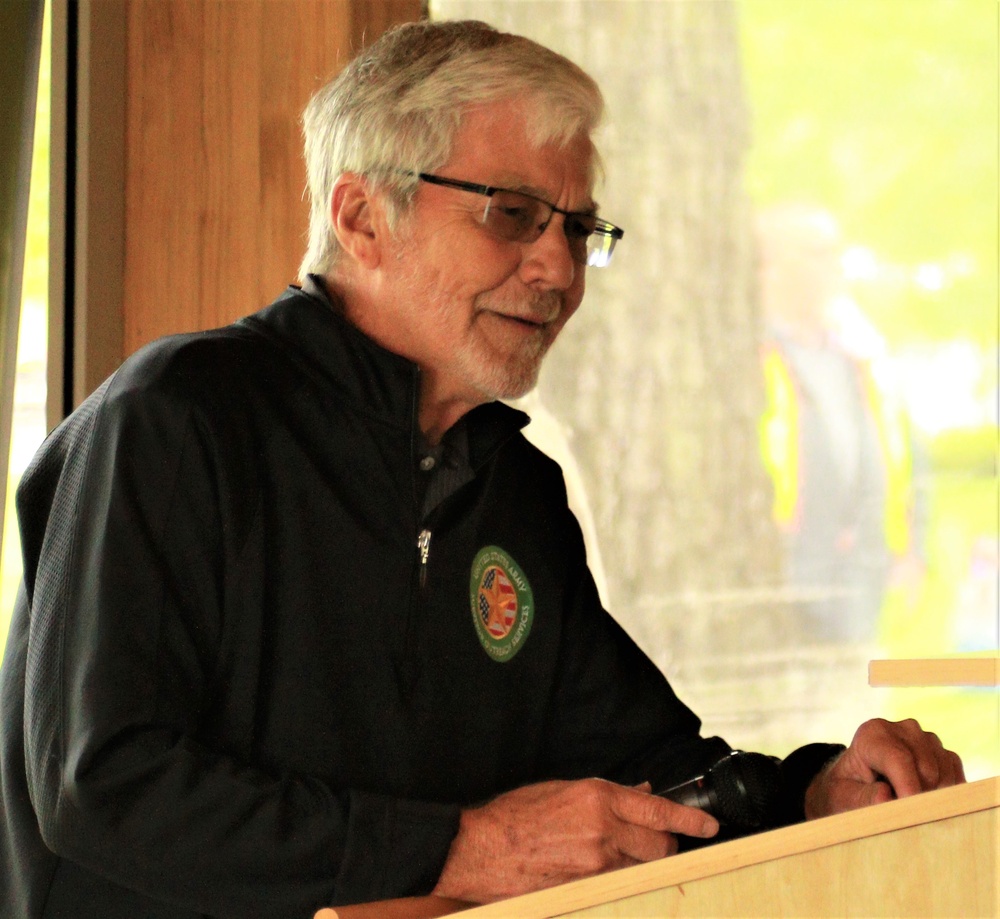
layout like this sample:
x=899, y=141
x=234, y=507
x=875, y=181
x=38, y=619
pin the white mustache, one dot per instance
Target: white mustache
x=542, y=308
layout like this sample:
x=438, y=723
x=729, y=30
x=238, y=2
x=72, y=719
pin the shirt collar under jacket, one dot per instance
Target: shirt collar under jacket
x=379, y=382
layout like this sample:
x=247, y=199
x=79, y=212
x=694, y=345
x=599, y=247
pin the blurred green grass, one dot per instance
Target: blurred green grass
x=963, y=517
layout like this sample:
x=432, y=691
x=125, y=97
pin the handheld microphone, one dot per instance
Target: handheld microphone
x=741, y=790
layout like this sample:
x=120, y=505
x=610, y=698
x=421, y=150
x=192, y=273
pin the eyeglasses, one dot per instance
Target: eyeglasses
x=522, y=218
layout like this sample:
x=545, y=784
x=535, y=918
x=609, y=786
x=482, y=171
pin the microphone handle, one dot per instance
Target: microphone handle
x=694, y=793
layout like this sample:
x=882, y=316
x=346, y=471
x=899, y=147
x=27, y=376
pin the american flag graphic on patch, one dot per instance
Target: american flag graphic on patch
x=497, y=602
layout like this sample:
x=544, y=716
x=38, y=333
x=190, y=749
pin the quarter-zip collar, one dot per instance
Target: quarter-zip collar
x=377, y=381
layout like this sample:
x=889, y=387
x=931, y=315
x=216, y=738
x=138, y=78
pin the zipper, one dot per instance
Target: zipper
x=408, y=666
x=424, y=548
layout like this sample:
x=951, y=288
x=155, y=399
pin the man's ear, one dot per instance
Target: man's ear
x=357, y=219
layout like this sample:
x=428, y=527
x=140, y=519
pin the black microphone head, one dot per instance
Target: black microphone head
x=746, y=787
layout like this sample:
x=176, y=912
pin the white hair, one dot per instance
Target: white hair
x=394, y=110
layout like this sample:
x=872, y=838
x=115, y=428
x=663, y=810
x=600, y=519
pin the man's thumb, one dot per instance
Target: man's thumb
x=876, y=793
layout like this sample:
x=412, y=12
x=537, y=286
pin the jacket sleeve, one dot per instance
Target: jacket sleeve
x=124, y=544
x=615, y=715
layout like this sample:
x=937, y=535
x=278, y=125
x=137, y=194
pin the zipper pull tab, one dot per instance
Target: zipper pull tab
x=424, y=548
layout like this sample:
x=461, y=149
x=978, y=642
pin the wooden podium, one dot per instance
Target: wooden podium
x=977, y=669
x=935, y=854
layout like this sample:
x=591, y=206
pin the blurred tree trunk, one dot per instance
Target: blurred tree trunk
x=658, y=374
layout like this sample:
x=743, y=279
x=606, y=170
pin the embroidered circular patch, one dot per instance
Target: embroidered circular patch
x=502, y=604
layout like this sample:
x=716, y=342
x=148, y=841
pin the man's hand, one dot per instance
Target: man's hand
x=546, y=834
x=885, y=760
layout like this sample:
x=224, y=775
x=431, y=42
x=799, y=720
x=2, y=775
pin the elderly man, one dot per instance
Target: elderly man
x=305, y=619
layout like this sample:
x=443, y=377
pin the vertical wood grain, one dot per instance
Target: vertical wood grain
x=215, y=210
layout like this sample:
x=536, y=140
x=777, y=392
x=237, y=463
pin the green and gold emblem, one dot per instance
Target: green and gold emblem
x=502, y=603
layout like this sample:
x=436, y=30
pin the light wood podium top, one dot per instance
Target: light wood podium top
x=981, y=668
x=705, y=863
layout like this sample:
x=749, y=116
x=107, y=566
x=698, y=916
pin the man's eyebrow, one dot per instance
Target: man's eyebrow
x=590, y=209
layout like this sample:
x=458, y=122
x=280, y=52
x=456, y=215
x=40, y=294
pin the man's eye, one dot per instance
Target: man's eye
x=579, y=227
x=521, y=215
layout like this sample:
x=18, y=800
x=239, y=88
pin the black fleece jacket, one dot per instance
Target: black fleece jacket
x=236, y=687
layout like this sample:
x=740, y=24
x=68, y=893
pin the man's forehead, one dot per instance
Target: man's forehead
x=496, y=140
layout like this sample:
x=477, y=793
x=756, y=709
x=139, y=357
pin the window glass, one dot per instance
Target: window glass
x=29, y=388
x=778, y=407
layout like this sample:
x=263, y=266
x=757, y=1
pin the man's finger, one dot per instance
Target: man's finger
x=910, y=759
x=928, y=753
x=953, y=772
x=660, y=814
x=880, y=748
x=642, y=844
x=849, y=794
x=876, y=793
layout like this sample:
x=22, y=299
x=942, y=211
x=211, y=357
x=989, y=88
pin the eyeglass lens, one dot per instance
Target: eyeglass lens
x=522, y=218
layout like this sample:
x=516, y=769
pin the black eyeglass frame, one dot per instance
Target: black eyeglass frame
x=601, y=227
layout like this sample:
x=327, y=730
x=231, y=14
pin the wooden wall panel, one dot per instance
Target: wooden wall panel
x=215, y=211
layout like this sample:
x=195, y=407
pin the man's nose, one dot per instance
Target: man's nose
x=547, y=262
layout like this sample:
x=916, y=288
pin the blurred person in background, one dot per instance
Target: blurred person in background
x=834, y=438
